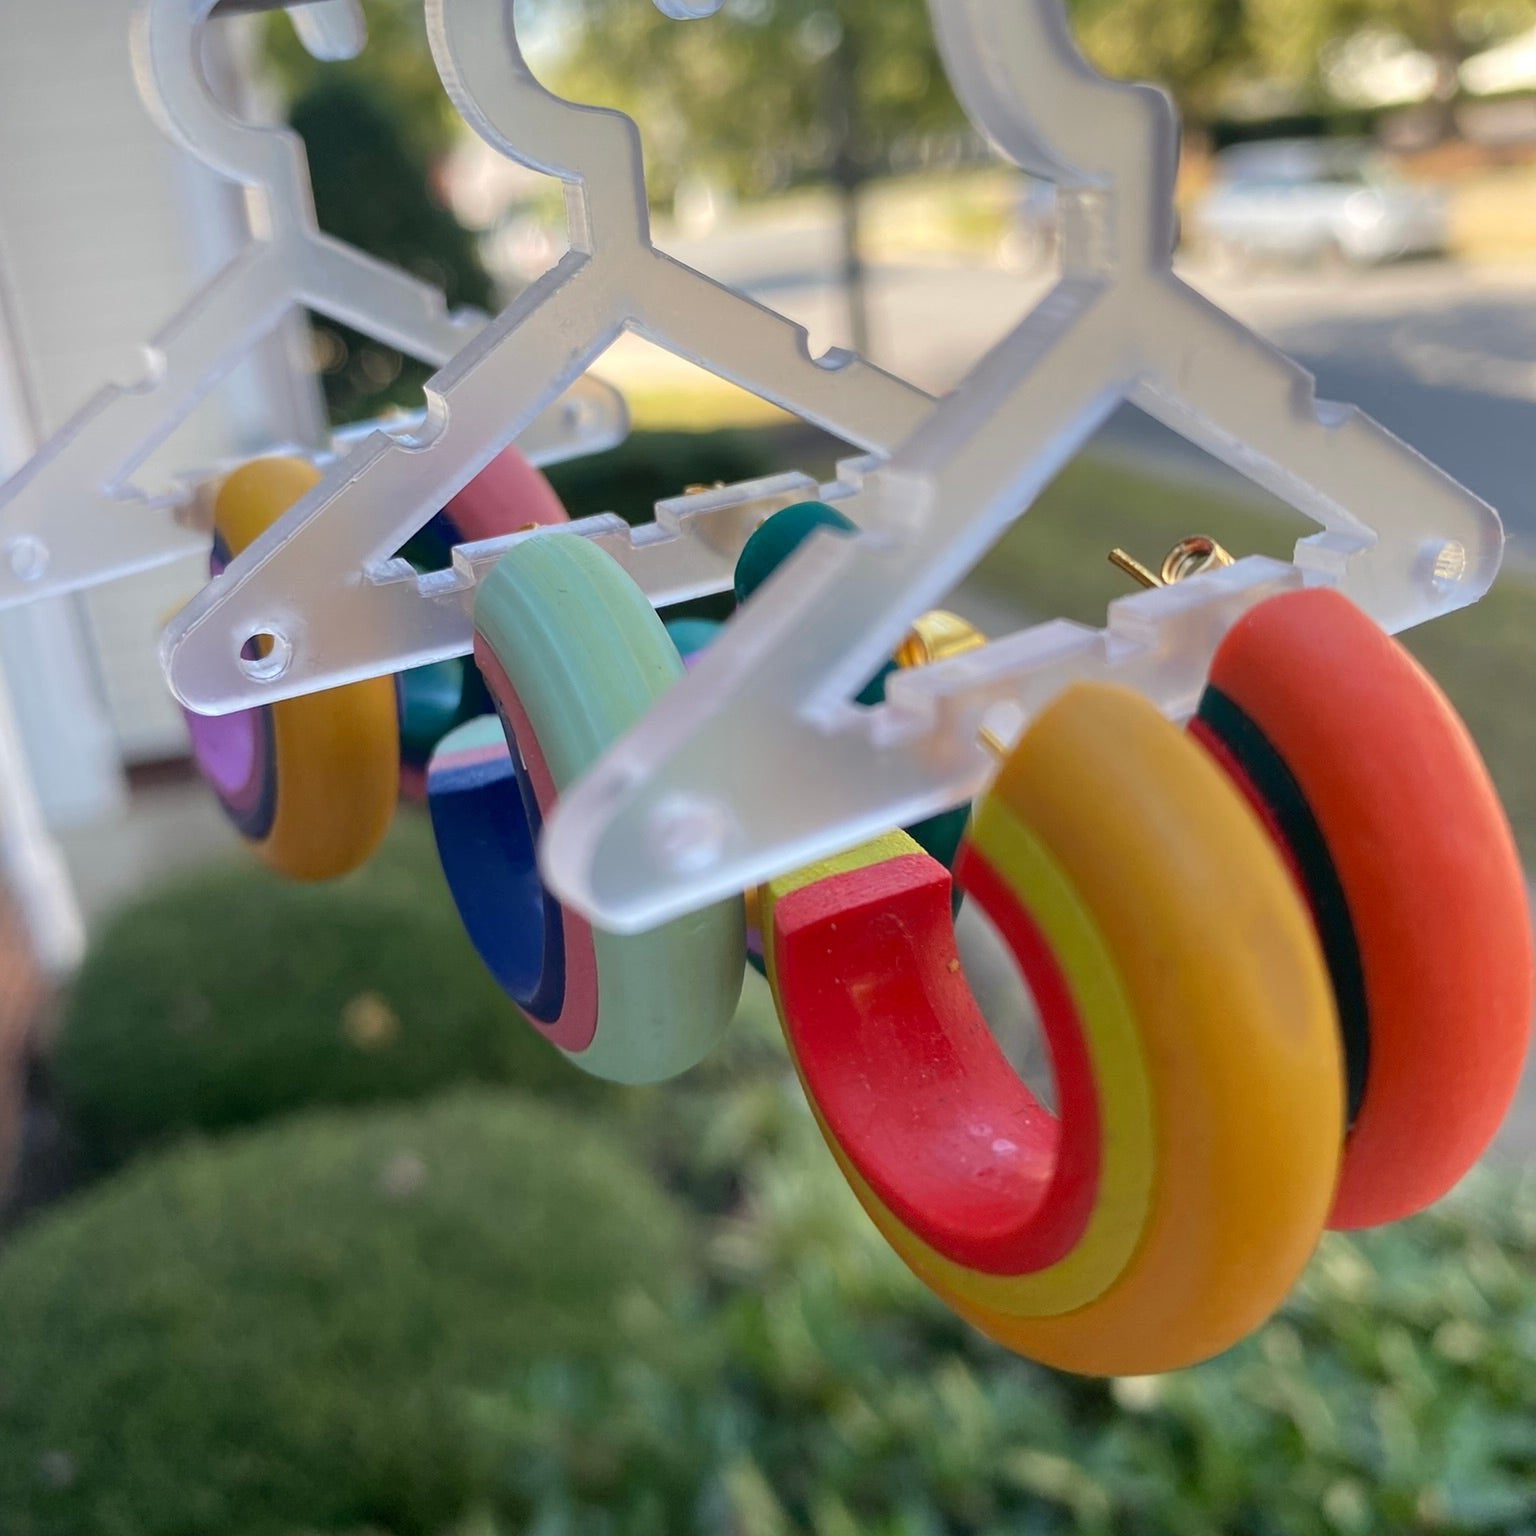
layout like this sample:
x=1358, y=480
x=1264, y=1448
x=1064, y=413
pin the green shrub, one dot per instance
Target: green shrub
x=372, y=189
x=822, y=1391
x=294, y=1330
x=648, y=467
x=230, y=996
x=151, y=1339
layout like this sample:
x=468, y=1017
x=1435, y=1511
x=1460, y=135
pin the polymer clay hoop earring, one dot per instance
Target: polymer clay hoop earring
x=507, y=496
x=773, y=542
x=485, y=841
x=693, y=637
x=1192, y=1032
x=311, y=783
x=1377, y=791
x=574, y=655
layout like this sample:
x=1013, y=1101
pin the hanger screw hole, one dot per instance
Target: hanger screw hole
x=1450, y=564
x=28, y=558
x=266, y=656
x=689, y=833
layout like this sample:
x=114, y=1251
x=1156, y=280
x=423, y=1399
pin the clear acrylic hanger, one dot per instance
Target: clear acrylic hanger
x=758, y=762
x=68, y=519
x=321, y=587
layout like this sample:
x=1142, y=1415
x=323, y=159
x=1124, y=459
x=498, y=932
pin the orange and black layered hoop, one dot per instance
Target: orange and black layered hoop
x=1373, y=786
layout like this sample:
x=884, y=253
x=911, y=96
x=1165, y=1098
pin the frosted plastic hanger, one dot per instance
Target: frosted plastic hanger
x=759, y=762
x=68, y=519
x=321, y=587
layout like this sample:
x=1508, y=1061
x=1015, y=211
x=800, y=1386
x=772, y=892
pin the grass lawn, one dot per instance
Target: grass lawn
x=1493, y=214
x=963, y=213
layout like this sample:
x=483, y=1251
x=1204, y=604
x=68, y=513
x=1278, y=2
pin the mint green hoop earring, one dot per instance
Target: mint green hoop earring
x=574, y=655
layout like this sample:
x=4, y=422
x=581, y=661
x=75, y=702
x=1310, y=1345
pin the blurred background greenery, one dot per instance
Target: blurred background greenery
x=330, y=1243
x=814, y=153
x=774, y=98
x=492, y=1298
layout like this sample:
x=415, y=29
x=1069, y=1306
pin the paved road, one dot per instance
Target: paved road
x=1444, y=355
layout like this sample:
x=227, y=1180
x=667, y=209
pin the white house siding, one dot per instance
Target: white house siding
x=105, y=230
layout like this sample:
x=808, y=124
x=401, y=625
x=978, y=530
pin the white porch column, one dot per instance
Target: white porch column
x=106, y=229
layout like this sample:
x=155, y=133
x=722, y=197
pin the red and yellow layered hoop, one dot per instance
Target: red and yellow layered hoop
x=1169, y=1206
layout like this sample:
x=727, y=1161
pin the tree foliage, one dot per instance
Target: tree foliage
x=743, y=96
x=372, y=187
x=748, y=95
x=1193, y=47
x=752, y=97
x=395, y=70
x=1293, y=37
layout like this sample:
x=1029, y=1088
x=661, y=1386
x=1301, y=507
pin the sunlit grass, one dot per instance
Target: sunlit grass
x=709, y=405
x=1493, y=214
x=963, y=214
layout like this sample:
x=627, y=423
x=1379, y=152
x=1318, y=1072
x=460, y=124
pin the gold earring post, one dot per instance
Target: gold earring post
x=1133, y=568
x=1189, y=557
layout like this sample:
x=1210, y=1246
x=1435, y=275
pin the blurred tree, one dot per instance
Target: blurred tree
x=747, y=96
x=395, y=69
x=1193, y=47
x=766, y=91
x=372, y=190
x=374, y=127
x=755, y=95
x=1291, y=41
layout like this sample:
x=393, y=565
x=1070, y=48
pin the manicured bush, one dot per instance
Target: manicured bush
x=654, y=466
x=230, y=996
x=822, y=1391
x=296, y=1329
x=807, y=1385
x=372, y=189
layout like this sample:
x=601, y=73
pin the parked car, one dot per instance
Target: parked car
x=1317, y=200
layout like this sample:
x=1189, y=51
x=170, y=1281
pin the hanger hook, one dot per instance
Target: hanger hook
x=167, y=46
x=1024, y=82
x=486, y=73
